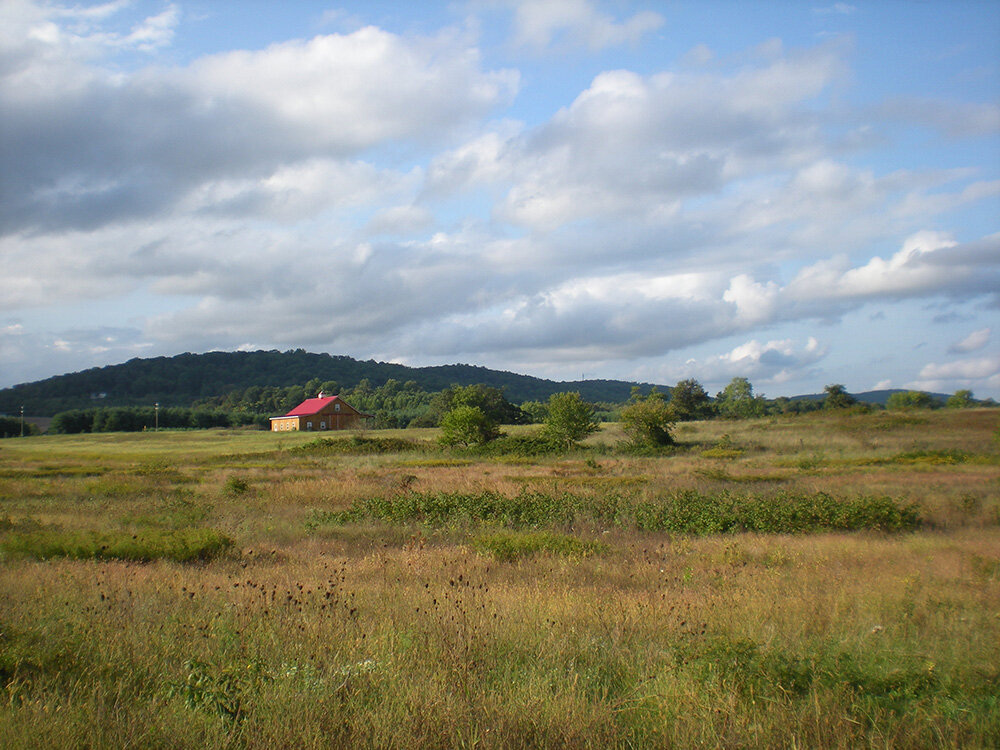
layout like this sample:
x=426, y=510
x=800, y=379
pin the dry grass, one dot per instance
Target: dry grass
x=386, y=635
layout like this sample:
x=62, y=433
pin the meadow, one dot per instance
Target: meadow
x=825, y=580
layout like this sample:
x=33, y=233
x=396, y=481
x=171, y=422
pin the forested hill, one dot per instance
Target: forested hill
x=185, y=379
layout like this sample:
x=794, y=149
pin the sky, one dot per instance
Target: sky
x=797, y=193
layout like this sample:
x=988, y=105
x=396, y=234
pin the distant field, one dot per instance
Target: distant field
x=253, y=590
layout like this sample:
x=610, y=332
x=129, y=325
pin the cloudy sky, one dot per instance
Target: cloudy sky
x=798, y=193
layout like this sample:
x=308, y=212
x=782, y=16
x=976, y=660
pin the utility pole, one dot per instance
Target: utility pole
x=156, y=411
x=22, y=421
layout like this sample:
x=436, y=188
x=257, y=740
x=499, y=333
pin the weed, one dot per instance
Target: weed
x=236, y=486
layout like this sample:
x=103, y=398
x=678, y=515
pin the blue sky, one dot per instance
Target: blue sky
x=797, y=193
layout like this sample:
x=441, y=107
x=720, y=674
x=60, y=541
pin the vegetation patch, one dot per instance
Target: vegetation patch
x=898, y=686
x=695, y=513
x=721, y=475
x=528, y=509
x=513, y=545
x=722, y=453
x=935, y=457
x=180, y=545
x=44, y=472
x=686, y=512
x=433, y=463
x=519, y=445
x=358, y=445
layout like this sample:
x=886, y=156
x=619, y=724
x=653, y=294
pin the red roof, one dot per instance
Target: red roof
x=311, y=406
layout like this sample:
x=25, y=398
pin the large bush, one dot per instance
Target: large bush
x=468, y=425
x=570, y=419
x=648, y=421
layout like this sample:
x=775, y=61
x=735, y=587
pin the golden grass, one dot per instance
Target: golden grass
x=376, y=635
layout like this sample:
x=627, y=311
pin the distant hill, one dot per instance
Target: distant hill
x=186, y=378
x=870, y=397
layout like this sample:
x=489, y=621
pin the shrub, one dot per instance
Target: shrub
x=910, y=400
x=467, y=425
x=648, y=421
x=519, y=445
x=569, y=420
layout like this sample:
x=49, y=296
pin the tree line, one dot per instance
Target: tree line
x=472, y=414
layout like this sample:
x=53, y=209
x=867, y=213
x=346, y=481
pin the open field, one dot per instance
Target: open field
x=234, y=589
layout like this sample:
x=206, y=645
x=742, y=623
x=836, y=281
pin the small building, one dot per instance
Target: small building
x=322, y=413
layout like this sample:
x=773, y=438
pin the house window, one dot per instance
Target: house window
x=336, y=407
x=309, y=425
x=322, y=425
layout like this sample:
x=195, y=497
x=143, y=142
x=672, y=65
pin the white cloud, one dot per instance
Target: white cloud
x=928, y=263
x=401, y=220
x=769, y=363
x=227, y=121
x=631, y=144
x=974, y=341
x=539, y=22
x=978, y=372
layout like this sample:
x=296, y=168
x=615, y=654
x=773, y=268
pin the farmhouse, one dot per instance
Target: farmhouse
x=321, y=413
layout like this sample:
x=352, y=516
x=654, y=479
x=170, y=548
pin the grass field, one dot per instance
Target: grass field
x=250, y=590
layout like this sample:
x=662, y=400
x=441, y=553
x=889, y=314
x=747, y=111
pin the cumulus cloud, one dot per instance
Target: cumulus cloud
x=928, y=263
x=83, y=145
x=771, y=362
x=630, y=144
x=973, y=342
x=539, y=22
x=977, y=372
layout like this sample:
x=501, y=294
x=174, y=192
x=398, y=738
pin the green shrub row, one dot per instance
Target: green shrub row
x=181, y=545
x=687, y=512
x=358, y=445
x=785, y=513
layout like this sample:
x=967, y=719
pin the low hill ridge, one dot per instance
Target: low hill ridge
x=184, y=379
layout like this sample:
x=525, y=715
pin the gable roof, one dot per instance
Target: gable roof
x=311, y=406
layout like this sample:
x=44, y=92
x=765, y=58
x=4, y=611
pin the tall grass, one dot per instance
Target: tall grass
x=445, y=600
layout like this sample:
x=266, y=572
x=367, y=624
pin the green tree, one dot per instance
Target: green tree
x=737, y=400
x=648, y=421
x=837, y=397
x=909, y=400
x=535, y=412
x=490, y=400
x=690, y=401
x=570, y=419
x=467, y=425
x=961, y=399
